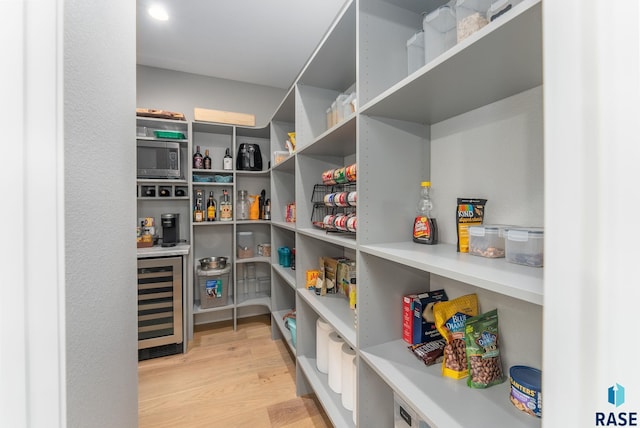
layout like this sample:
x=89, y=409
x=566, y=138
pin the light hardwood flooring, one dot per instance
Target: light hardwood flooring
x=227, y=378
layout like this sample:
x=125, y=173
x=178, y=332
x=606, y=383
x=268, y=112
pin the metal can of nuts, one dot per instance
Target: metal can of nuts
x=526, y=394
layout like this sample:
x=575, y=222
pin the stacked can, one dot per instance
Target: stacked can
x=345, y=174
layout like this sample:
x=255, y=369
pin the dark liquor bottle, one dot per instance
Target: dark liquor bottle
x=207, y=160
x=197, y=159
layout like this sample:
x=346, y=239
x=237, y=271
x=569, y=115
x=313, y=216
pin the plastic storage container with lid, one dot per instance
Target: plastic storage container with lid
x=245, y=244
x=415, y=52
x=471, y=15
x=487, y=240
x=500, y=7
x=525, y=246
x=439, y=29
x=214, y=287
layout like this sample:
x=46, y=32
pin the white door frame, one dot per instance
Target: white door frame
x=32, y=294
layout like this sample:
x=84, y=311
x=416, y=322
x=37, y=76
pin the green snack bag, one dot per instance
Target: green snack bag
x=483, y=353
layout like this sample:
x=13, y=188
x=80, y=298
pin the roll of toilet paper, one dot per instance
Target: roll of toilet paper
x=335, y=362
x=348, y=355
x=354, y=367
x=322, y=345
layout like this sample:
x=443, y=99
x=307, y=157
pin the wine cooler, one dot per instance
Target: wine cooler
x=159, y=307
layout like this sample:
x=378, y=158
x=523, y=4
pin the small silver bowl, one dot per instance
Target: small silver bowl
x=213, y=263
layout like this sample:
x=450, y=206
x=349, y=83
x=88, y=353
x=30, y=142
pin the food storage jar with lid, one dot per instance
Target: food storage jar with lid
x=415, y=52
x=471, y=15
x=439, y=29
x=525, y=246
x=487, y=240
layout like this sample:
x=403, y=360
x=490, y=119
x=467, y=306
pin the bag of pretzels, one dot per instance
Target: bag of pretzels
x=450, y=320
x=483, y=352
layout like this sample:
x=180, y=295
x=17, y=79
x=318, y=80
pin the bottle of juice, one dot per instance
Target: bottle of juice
x=425, y=228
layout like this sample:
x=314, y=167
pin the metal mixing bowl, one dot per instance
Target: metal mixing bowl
x=213, y=263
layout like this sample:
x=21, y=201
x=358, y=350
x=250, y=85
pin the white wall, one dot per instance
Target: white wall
x=182, y=92
x=100, y=213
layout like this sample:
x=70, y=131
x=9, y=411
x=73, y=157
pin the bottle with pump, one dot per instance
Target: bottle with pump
x=227, y=161
x=207, y=160
x=198, y=162
x=425, y=228
x=211, y=208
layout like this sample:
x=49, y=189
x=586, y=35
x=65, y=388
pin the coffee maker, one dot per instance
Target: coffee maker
x=170, y=229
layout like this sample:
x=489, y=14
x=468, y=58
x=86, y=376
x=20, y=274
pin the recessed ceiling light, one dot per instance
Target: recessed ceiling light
x=159, y=13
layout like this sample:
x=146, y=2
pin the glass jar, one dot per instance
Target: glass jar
x=242, y=205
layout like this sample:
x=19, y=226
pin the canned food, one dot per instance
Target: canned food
x=526, y=394
x=352, y=198
x=339, y=175
x=329, y=199
x=329, y=219
x=327, y=177
x=351, y=172
x=352, y=224
x=341, y=199
x=340, y=222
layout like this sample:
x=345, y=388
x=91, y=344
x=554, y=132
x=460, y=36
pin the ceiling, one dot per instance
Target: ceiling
x=265, y=42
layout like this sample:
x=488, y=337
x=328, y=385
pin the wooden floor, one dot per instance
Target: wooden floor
x=226, y=379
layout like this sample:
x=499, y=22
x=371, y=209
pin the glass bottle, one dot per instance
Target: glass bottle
x=211, y=208
x=198, y=212
x=225, y=208
x=197, y=159
x=425, y=228
x=242, y=205
x=207, y=160
x=227, y=161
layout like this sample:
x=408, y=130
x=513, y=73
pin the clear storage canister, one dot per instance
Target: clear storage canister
x=242, y=205
x=471, y=15
x=439, y=29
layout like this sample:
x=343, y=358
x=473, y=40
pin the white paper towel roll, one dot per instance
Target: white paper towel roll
x=348, y=355
x=322, y=345
x=354, y=367
x=335, y=362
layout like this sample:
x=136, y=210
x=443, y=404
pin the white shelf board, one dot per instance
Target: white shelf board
x=198, y=310
x=444, y=401
x=287, y=274
x=211, y=127
x=277, y=318
x=252, y=299
x=263, y=173
x=163, y=198
x=253, y=222
x=211, y=184
x=334, y=238
x=259, y=259
x=340, y=140
x=212, y=223
x=211, y=171
x=334, y=309
x=162, y=181
x=289, y=164
x=163, y=140
x=501, y=59
x=331, y=401
x=520, y=282
x=284, y=225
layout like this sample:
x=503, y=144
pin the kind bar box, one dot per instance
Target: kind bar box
x=345, y=275
x=424, y=326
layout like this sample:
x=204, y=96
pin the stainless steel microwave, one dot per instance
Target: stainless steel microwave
x=158, y=159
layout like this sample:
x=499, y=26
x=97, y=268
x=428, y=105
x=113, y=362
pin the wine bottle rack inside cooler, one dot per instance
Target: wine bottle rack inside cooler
x=159, y=306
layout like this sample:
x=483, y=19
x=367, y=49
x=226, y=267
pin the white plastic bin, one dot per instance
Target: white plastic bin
x=415, y=52
x=439, y=29
x=525, y=246
x=471, y=15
